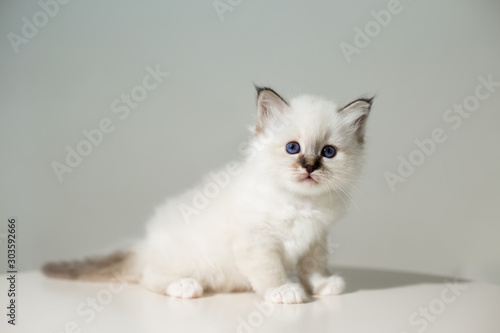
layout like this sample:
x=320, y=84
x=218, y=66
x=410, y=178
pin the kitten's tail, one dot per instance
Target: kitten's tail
x=119, y=265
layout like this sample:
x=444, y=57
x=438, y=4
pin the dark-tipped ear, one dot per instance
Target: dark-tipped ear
x=270, y=106
x=356, y=113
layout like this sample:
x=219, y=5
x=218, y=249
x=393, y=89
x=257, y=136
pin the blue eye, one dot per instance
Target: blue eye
x=329, y=151
x=292, y=147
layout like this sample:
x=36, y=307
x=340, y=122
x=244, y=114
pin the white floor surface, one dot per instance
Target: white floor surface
x=375, y=301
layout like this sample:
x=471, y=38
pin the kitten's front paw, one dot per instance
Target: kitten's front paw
x=333, y=285
x=185, y=288
x=290, y=293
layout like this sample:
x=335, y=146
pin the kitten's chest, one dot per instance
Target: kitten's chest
x=300, y=227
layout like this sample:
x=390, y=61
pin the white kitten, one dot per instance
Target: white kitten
x=259, y=220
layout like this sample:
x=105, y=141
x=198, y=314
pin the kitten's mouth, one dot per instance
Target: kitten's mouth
x=308, y=179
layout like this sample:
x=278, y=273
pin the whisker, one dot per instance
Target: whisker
x=349, y=184
x=341, y=197
x=348, y=195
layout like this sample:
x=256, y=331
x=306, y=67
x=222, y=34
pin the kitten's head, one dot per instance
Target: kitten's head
x=309, y=146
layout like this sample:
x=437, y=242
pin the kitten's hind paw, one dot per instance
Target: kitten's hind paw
x=333, y=285
x=289, y=293
x=185, y=288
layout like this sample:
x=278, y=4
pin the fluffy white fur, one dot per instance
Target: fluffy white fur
x=268, y=220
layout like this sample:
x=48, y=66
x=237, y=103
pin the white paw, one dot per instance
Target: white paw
x=290, y=293
x=333, y=285
x=185, y=288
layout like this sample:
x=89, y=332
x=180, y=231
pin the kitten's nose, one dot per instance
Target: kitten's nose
x=310, y=164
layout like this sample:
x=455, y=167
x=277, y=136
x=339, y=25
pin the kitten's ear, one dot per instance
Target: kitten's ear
x=356, y=114
x=270, y=106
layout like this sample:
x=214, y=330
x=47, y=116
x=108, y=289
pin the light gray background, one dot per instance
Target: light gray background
x=444, y=219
